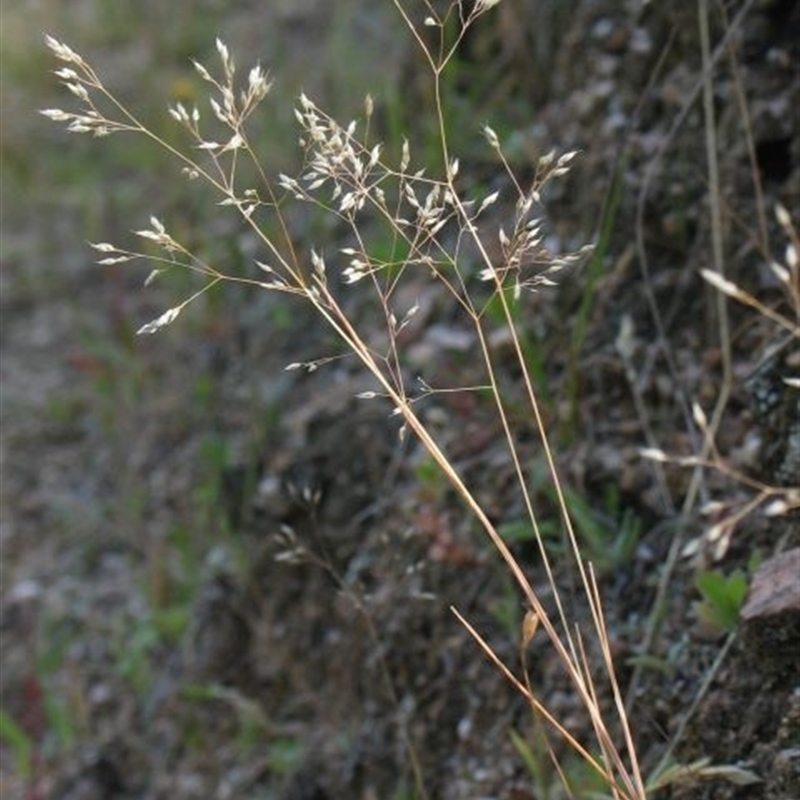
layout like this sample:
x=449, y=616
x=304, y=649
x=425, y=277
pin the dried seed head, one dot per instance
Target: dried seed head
x=405, y=158
x=56, y=114
x=258, y=84
x=165, y=319
x=782, y=216
x=62, y=51
x=491, y=137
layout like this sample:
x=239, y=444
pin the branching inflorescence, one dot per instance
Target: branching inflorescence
x=441, y=232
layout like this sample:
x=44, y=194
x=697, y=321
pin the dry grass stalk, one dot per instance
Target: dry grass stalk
x=353, y=180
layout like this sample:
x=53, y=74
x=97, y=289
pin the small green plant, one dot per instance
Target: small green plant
x=608, y=538
x=723, y=596
x=253, y=725
x=134, y=654
x=552, y=779
x=13, y=736
x=48, y=724
x=676, y=774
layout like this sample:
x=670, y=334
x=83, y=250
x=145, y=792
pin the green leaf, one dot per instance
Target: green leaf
x=517, y=530
x=702, y=769
x=722, y=599
x=15, y=737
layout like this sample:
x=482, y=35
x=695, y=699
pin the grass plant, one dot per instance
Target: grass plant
x=762, y=495
x=446, y=236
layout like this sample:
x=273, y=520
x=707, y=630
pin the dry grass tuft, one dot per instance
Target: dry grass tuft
x=444, y=233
